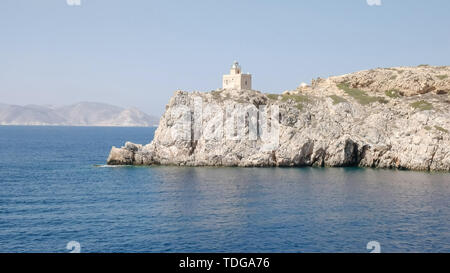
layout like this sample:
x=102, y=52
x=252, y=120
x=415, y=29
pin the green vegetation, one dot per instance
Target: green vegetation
x=336, y=99
x=273, y=96
x=442, y=77
x=299, y=99
x=217, y=95
x=393, y=77
x=423, y=65
x=428, y=128
x=393, y=93
x=296, y=98
x=439, y=128
x=359, y=95
x=422, y=105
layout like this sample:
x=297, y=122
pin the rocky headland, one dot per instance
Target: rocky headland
x=385, y=118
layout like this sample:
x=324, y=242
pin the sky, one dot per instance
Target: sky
x=136, y=53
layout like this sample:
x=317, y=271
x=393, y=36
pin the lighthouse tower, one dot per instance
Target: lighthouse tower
x=237, y=80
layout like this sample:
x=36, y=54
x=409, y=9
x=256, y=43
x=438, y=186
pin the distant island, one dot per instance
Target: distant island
x=386, y=118
x=79, y=114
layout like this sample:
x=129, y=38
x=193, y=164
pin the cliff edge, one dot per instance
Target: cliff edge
x=385, y=118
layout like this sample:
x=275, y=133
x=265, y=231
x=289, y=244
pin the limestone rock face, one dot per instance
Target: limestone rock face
x=373, y=120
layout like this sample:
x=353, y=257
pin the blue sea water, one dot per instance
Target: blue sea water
x=54, y=189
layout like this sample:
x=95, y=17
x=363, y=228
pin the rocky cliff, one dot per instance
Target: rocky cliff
x=386, y=118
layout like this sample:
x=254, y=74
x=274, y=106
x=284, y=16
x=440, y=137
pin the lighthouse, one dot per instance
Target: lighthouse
x=237, y=80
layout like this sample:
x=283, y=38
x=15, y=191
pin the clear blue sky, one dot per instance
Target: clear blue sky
x=138, y=52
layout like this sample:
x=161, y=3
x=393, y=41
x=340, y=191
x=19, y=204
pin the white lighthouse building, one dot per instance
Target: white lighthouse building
x=237, y=80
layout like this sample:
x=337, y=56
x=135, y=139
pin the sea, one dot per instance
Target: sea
x=57, y=195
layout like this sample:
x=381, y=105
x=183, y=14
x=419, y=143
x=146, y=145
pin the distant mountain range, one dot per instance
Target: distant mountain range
x=79, y=114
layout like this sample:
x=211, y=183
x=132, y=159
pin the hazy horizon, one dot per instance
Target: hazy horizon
x=71, y=104
x=136, y=54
